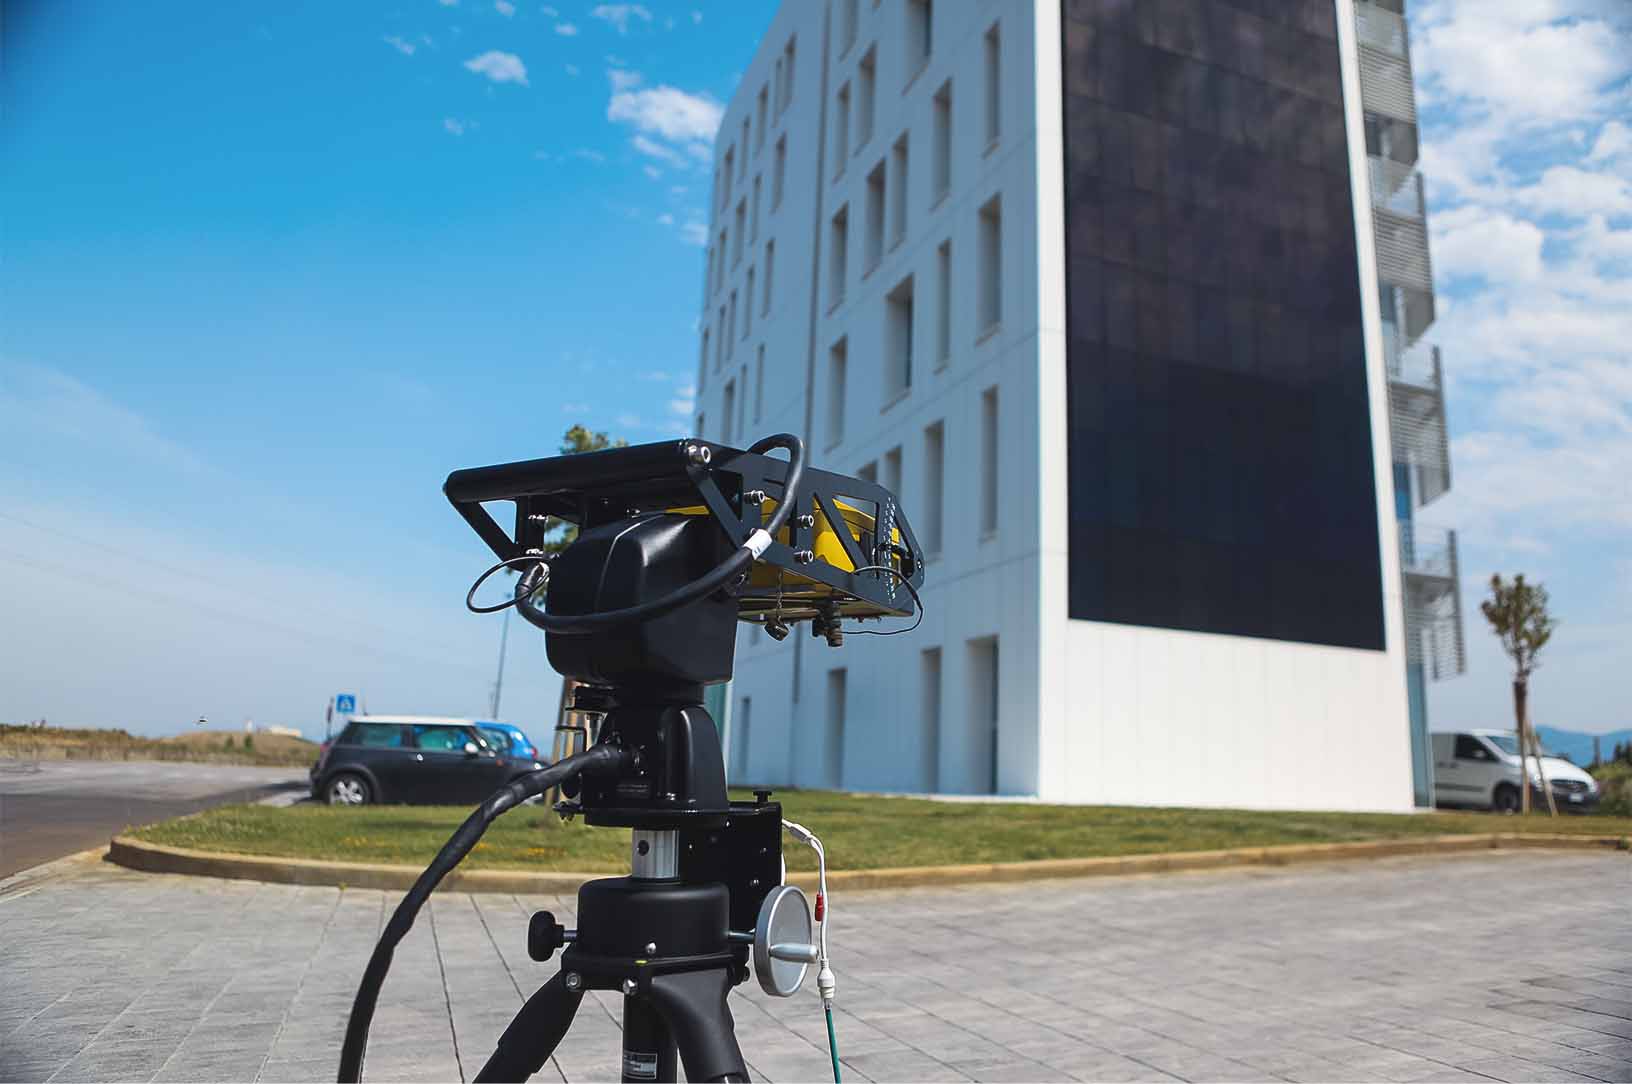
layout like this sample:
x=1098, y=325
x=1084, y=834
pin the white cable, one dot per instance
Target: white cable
x=826, y=984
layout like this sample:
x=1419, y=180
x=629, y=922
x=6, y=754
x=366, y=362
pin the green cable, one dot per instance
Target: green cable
x=833, y=1047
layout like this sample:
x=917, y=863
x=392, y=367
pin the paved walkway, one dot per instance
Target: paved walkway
x=1400, y=970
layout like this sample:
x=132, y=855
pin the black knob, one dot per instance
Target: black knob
x=544, y=936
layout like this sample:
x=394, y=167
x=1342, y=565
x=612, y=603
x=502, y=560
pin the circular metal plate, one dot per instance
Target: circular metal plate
x=784, y=917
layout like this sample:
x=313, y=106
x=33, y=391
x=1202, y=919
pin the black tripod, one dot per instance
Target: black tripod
x=662, y=935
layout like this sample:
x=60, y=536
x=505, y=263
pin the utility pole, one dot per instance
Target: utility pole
x=498, y=684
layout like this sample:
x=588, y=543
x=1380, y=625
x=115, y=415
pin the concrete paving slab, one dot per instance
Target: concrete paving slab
x=1375, y=972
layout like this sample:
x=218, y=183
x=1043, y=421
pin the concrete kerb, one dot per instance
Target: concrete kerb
x=155, y=858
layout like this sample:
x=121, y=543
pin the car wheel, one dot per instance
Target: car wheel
x=348, y=789
x=1506, y=799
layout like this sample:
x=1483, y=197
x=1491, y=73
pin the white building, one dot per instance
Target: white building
x=1082, y=283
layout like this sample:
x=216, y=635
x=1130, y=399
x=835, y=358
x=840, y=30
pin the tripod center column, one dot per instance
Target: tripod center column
x=654, y=854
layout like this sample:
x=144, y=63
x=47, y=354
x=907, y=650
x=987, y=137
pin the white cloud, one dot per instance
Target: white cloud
x=589, y=155
x=697, y=17
x=1574, y=193
x=1614, y=142
x=684, y=401
x=1473, y=242
x=499, y=67
x=504, y=7
x=453, y=126
x=664, y=111
x=694, y=233
x=448, y=3
x=572, y=69
x=665, y=219
x=653, y=172
x=406, y=48
x=629, y=421
x=662, y=152
x=549, y=11
x=566, y=30
x=619, y=15
x=38, y=402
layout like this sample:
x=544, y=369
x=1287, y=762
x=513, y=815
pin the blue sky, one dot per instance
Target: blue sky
x=270, y=272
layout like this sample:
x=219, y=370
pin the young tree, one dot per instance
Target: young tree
x=1518, y=615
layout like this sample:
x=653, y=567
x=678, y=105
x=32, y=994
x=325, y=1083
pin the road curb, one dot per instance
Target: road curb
x=156, y=858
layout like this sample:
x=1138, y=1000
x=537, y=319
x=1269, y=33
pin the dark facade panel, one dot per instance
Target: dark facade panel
x=1220, y=459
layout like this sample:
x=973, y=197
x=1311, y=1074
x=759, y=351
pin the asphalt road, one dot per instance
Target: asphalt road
x=52, y=808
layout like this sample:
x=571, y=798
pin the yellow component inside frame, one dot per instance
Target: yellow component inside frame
x=827, y=546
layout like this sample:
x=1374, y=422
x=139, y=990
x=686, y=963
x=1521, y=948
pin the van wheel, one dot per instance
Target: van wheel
x=1506, y=799
x=348, y=788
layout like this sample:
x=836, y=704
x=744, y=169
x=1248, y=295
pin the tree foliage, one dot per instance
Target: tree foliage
x=576, y=441
x=1517, y=613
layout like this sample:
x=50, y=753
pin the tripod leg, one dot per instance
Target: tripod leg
x=534, y=1033
x=648, y=1048
x=693, y=1005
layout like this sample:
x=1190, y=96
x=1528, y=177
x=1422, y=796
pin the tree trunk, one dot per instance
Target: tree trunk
x=1541, y=770
x=1520, y=707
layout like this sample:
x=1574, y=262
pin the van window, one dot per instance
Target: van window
x=442, y=738
x=378, y=735
x=1469, y=747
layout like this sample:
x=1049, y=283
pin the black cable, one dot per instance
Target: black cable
x=911, y=590
x=533, y=560
x=707, y=584
x=597, y=760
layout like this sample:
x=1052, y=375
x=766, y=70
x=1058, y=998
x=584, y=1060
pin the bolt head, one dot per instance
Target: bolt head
x=574, y=980
x=629, y=987
x=651, y=948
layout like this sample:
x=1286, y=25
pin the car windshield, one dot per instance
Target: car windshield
x=1508, y=744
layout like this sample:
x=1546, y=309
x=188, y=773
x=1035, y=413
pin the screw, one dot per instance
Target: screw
x=804, y=557
x=651, y=948
x=642, y=847
x=807, y=520
x=754, y=496
x=629, y=987
x=699, y=454
x=574, y=980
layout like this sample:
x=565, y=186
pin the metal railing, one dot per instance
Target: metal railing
x=1381, y=29
x=1418, y=435
x=1396, y=188
x=1433, y=600
x=1386, y=85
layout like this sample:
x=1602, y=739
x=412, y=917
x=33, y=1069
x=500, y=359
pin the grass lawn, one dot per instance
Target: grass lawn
x=860, y=832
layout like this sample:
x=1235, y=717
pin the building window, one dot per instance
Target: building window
x=941, y=179
x=989, y=312
x=770, y=268
x=994, y=100
x=892, y=473
x=988, y=461
x=874, y=250
x=779, y=172
x=943, y=303
x=728, y=410
x=787, y=74
x=838, y=255
x=850, y=18
x=748, y=304
x=841, y=130
x=898, y=340
x=753, y=219
x=742, y=403
x=722, y=334
x=702, y=361
x=759, y=120
x=983, y=716
x=726, y=176
x=833, y=753
x=868, y=471
x=701, y=432
x=741, y=226
x=759, y=384
x=838, y=361
x=730, y=325
x=898, y=210
x=720, y=264
x=934, y=488
x=920, y=35
x=929, y=732
x=742, y=166
x=739, y=737
x=779, y=82
x=866, y=96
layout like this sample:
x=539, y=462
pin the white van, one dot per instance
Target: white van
x=1481, y=768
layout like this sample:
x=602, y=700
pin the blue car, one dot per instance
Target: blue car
x=508, y=738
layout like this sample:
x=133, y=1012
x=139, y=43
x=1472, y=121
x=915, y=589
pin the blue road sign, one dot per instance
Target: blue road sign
x=345, y=704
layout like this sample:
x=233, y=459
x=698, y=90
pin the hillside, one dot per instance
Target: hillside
x=202, y=746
